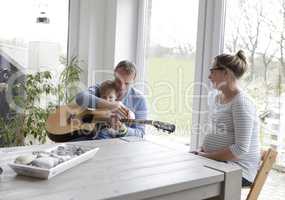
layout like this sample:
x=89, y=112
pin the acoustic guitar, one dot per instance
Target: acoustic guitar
x=72, y=121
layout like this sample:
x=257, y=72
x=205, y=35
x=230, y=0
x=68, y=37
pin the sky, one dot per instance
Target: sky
x=272, y=14
x=174, y=21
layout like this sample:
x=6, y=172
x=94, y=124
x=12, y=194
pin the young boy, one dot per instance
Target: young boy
x=108, y=92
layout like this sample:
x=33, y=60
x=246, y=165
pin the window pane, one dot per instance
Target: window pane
x=170, y=63
x=252, y=25
x=34, y=32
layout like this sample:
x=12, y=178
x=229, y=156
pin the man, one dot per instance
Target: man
x=132, y=101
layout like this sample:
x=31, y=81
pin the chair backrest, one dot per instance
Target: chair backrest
x=268, y=158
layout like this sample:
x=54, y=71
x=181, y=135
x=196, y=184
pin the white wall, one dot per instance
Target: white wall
x=126, y=32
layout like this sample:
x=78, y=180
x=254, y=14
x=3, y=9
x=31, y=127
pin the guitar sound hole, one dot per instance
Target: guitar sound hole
x=87, y=118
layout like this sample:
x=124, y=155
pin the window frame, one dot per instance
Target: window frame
x=210, y=32
x=73, y=28
x=210, y=43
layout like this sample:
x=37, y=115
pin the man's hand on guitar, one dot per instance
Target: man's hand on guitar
x=122, y=111
x=131, y=115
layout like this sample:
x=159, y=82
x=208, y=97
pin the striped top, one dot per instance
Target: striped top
x=235, y=125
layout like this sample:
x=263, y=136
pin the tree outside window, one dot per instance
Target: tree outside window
x=258, y=27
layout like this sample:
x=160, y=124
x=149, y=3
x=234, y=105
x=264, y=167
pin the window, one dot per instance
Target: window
x=170, y=63
x=34, y=32
x=252, y=26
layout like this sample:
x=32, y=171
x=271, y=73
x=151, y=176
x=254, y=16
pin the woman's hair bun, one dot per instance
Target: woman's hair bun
x=240, y=54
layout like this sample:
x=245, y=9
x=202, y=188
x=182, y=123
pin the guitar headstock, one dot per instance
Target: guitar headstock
x=164, y=126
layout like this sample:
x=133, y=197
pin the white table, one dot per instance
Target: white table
x=127, y=170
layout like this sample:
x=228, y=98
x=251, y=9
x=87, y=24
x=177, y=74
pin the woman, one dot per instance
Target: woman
x=233, y=132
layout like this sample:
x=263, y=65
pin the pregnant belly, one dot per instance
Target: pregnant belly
x=213, y=142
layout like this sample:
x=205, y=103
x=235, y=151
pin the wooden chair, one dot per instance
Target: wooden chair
x=268, y=158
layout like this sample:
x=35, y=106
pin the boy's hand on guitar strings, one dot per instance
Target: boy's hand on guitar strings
x=115, y=122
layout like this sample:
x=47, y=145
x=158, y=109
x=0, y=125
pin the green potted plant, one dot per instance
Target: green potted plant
x=69, y=79
x=27, y=124
x=28, y=119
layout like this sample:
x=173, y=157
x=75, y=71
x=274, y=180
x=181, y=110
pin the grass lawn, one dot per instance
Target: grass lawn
x=169, y=91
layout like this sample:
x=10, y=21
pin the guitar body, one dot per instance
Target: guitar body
x=71, y=121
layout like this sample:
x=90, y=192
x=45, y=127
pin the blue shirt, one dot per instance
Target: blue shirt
x=133, y=100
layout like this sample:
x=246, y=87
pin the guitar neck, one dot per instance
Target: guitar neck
x=137, y=121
